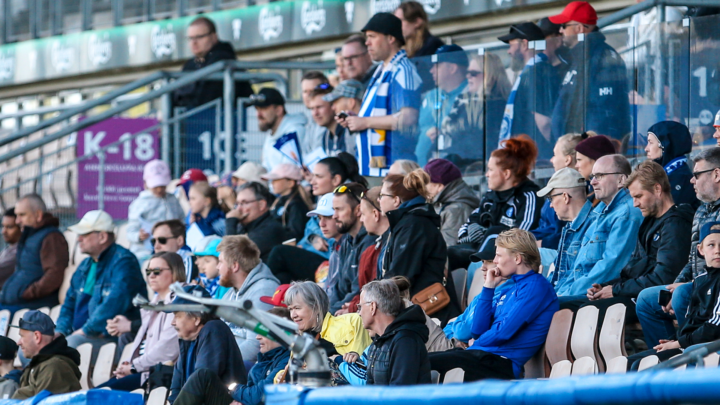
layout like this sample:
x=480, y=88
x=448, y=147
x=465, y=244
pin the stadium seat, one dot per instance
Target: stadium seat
x=556, y=343
x=127, y=351
x=437, y=321
x=4, y=321
x=459, y=279
x=85, y=351
x=157, y=396
x=44, y=310
x=103, y=364
x=618, y=365
x=121, y=238
x=476, y=286
x=583, y=341
x=612, y=341
x=561, y=369
x=55, y=313
x=711, y=360
x=138, y=391
x=535, y=367
x=648, y=362
x=14, y=333
x=456, y=375
x=434, y=377
x=584, y=366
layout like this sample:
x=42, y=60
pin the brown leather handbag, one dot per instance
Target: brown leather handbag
x=433, y=298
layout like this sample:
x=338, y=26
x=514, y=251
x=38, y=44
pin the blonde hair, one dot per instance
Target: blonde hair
x=496, y=79
x=406, y=165
x=412, y=12
x=417, y=181
x=241, y=250
x=570, y=141
x=648, y=174
x=523, y=243
x=208, y=191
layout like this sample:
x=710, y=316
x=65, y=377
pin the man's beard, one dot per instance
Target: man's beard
x=266, y=125
x=225, y=280
x=517, y=63
x=344, y=228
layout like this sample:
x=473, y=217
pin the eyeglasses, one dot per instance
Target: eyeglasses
x=599, y=176
x=198, y=37
x=351, y=57
x=566, y=25
x=346, y=190
x=156, y=272
x=244, y=203
x=555, y=195
x=363, y=196
x=163, y=240
x=360, y=305
x=474, y=73
x=385, y=195
x=697, y=174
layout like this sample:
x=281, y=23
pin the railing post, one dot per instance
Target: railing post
x=101, y=181
x=229, y=101
x=166, y=108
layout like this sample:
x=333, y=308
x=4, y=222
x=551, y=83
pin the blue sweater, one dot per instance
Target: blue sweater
x=515, y=325
x=262, y=374
x=460, y=328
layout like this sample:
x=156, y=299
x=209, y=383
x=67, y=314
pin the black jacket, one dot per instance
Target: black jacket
x=661, y=252
x=291, y=211
x=676, y=142
x=265, y=231
x=422, y=61
x=702, y=323
x=202, y=91
x=347, y=286
x=399, y=356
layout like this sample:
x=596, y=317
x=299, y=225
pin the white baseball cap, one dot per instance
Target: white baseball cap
x=324, y=206
x=94, y=221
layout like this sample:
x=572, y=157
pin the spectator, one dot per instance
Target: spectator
x=153, y=205
x=205, y=387
x=388, y=117
x=358, y=63
x=157, y=340
x=225, y=192
x=508, y=330
x=340, y=70
x=549, y=230
x=419, y=43
x=53, y=365
x=169, y=236
x=533, y=96
x=205, y=210
x=247, y=172
x=415, y=248
x=403, y=167
x=437, y=342
x=510, y=202
x=607, y=110
x=614, y=232
x=241, y=269
x=252, y=217
x=206, y=258
x=11, y=233
x=716, y=125
x=10, y=380
x=398, y=355
x=667, y=144
x=354, y=241
x=449, y=73
x=556, y=52
x=272, y=116
x=293, y=201
x=102, y=287
x=190, y=177
x=657, y=321
x=452, y=198
x=311, y=81
x=346, y=97
x=587, y=152
x=42, y=257
x=207, y=49
x=206, y=345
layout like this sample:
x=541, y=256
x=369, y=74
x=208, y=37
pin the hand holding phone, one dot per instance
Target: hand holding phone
x=664, y=298
x=342, y=115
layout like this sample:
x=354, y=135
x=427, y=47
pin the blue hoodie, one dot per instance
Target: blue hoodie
x=260, y=375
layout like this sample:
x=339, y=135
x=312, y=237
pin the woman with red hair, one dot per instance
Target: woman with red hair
x=510, y=202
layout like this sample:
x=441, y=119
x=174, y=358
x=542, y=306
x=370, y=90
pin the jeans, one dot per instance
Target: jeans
x=657, y=324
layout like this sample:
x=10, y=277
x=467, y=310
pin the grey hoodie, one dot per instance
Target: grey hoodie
x=290, y=123
x=149, y=209
x=259, y=282
x=454, y=205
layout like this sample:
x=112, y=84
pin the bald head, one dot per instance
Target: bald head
x=609, y=175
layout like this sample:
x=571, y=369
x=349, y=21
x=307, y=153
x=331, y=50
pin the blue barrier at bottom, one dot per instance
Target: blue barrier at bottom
x=91, y=397
x=656, y=388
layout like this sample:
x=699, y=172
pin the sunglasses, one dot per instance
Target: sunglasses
x=474, y=73
x=156, y=272
x=322, y=86
x=364, y=196
x=162, y=240
x=346, y=190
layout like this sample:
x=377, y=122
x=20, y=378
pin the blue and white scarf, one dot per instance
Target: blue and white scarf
x=506, y=128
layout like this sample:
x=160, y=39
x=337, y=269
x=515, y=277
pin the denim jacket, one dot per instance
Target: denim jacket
x=569, y=246
x=118, y=280
x=607, y=245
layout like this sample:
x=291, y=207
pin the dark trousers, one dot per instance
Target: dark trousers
x=204, y=387
x=634, y=360
x=459, y=255
x=478, y=364
x=128, y=383
x=290, y=263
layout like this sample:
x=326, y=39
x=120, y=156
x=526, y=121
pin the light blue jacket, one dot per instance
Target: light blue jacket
x=606, y=247
x=460, y=327
x=313, y=228
x=436, y=105
x=571, y=239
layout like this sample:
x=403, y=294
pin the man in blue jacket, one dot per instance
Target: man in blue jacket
x=509, y=329
x=102, y=287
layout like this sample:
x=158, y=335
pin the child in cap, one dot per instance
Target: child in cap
x=206, y=260
x=293, y=202
x=10, y=380
x=153, y=205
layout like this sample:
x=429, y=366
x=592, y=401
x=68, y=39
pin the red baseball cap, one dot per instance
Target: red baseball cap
x=580, y=11
x=278, y=296
x=193, y=175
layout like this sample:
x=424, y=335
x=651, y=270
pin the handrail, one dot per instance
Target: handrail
x=648, y=4
x=37, y=111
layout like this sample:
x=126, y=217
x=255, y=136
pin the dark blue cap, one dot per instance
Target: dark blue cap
x=8, y=348
x=195, y=290
x=707, y=230
x=37, y=321
x=452, y=54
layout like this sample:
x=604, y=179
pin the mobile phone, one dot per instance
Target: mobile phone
x=342, y=115
x=664, y=298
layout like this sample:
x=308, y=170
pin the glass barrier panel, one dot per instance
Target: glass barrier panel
x=703, y=79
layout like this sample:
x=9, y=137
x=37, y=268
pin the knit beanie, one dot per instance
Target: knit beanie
x=442, y=171
x=596, y=147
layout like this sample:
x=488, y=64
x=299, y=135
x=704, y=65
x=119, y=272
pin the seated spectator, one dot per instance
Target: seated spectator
x=190, y=177
x=716, y=125
x=9, y=377
x=358, y=64
x=398, y=355
x=657, y=321
x=157, y=340
x=169, y=236
x=437, y=342
x=225, y=192
x=102, y=287
x=587, y=152
x=508, y=330
x=205, y=387
x=42, y=257
x=247, y=172
x=252, y=217
x=205, y=210
x=667, y=144
x=53, y=364
x=11, y=236
x=548, y=232
x=327, y=102
x=452, y=198
x=610, y=240
x=206, y=258
x=206, y=345
x=510, y=202
x=293, y=201
x=272, y=116
x=153, y=205
x=241, y=269
x=415, y=248
x=403, y=167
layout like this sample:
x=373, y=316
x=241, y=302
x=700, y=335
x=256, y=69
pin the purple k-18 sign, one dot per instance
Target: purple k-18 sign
x=123, y=163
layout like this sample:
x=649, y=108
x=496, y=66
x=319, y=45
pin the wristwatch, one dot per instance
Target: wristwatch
x=133, y=370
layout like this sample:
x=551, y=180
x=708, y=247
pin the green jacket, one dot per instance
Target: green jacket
x=54, y=368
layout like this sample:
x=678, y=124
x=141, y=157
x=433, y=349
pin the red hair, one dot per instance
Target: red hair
x=517, y=155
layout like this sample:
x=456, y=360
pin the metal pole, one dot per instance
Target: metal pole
x=229, y=100
x=101, y=181
x=166, y=108
x=177, y=145
x=218, y=136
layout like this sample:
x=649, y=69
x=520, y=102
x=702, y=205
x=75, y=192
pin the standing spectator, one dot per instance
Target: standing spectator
x=340, y=71
x=205, y=210
x=153, y=205
x=556, y=52
x=11, y=236
x=325, y=105
x=42, y=257
x=247, y=172
x=448, y=72
x=587, y=152
x=387, y=121
x=241, y=269
x=358, y=63
x=310, y=82
x=293, y=201
x=53, y=365
x=10, y=380
x=272, y=116
x=398, y=355
x=667, y=144
x=169, y=236
x=207, y=49
x=102, y=287
x=529, y=107
x=452, y=198
x=207, y=257
x=598, y=101
x=419, y=42
x=403, y=167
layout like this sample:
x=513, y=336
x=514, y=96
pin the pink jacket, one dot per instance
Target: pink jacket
x=161, y=340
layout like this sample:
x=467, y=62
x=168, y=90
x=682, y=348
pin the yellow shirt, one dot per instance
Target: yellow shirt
x=346, y=332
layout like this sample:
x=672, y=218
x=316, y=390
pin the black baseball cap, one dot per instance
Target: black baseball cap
x=195, y=290
x=452, y=54
x=8, y=348
x=386, y=23
x=267, y=97
x=527, y=30
x=548, y=27
x=487, y=250
x=36, y=321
